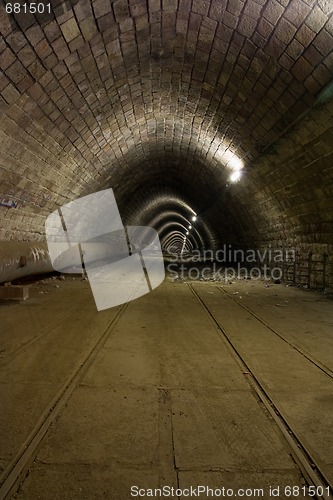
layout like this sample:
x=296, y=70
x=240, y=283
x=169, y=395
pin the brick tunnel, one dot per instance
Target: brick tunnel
x=211, y=122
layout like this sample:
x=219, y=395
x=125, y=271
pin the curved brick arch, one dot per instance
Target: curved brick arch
x=143, y=96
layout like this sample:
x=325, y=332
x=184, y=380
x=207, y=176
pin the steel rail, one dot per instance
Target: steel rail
x=310, y=470
x=16, y=470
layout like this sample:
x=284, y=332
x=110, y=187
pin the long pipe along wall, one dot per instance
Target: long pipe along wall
x=21, y=258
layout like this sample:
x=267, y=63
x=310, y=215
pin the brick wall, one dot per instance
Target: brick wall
x=147, y=96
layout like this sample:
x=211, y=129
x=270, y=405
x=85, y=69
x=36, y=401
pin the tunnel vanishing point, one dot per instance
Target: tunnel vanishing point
x=167, y=102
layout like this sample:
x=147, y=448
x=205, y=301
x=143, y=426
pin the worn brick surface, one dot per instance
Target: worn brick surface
x=152, y=97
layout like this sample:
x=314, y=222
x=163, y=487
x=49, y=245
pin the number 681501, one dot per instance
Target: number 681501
x=31, y=8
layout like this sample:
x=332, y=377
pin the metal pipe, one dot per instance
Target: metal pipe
x=22, y=258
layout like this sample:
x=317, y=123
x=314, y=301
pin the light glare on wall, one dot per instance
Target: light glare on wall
x=235, y=163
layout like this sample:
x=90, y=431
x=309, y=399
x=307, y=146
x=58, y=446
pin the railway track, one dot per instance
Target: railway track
x=16, y=470
x=306, y=355
x=10, y=355
x=311, y=471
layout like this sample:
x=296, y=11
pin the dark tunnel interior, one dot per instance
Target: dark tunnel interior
x=166, y=102
x=166, y=249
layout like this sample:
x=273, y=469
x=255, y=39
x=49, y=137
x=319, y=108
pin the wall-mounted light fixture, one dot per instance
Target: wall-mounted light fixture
x=235, y=176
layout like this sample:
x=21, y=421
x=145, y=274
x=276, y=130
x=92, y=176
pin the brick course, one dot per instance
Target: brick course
x=147, y=97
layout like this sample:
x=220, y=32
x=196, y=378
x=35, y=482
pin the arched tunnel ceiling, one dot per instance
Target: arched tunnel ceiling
x=159, y=96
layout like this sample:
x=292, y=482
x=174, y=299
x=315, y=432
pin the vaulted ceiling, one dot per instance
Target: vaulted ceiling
x=162, y=100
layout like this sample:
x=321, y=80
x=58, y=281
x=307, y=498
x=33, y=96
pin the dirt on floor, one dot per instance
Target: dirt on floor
x=162, y=389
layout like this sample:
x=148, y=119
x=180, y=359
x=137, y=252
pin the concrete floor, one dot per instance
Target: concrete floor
x=163, y=399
